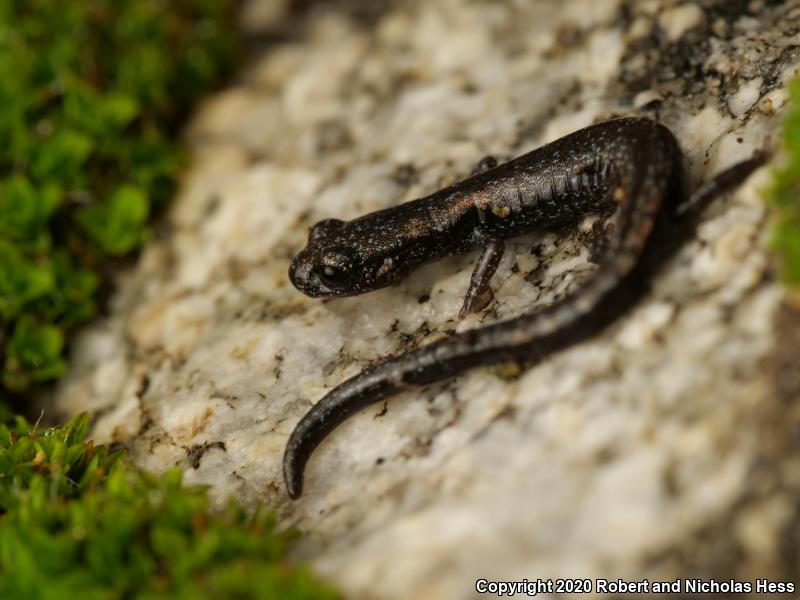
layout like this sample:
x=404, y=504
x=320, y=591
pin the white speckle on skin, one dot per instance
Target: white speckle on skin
x=500, y=211
x=388, y=265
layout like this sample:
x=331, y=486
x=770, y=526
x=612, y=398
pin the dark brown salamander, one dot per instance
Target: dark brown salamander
x=633, y=163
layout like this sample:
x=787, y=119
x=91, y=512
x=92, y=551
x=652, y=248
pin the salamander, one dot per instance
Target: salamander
x=631, y=166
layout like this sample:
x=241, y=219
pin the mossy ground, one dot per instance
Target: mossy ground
x=92, y=93
x=78, y=522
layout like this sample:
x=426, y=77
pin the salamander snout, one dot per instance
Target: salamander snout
x=328, y=274
x=346, y=259
x=303, y=278
x=322, y=268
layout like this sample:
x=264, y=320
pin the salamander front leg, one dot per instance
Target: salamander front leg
x=601, y=236
x=480, y=294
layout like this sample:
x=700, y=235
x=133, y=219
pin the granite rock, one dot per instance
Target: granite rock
x=658, y=449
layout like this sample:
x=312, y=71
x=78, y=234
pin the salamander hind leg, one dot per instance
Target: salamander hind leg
x=480, y=294
x=722, y=183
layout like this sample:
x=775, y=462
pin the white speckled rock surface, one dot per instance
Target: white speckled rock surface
x=657, y=449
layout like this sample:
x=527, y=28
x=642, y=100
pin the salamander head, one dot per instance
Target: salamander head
x=341, y=259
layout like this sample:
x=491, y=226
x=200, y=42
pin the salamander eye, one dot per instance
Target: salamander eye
x=333, y=277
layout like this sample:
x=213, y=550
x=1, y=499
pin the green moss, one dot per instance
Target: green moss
x=78, y=522
x=119, y=225
x=91, y=94
x=784, y=195
x=34, y=354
